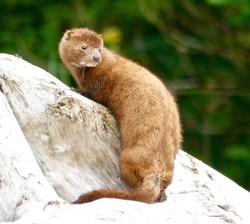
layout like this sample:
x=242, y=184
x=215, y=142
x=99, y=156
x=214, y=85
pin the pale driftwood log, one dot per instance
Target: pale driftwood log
x=22, y=183
x=76, y=144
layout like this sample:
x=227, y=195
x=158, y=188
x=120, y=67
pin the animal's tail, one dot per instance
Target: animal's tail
x=149, y=192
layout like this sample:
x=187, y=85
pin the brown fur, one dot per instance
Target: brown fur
x=146, y=112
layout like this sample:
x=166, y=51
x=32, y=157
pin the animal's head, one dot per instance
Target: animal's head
x=81, y=47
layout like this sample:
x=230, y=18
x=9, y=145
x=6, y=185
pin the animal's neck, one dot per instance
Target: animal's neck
x=103, y=68
x=96, y=80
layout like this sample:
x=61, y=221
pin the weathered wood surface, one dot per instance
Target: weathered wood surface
x=76, y=145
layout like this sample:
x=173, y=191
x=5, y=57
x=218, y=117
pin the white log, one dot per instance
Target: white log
x=76, y=144
x=68, y=134
x=22, y=183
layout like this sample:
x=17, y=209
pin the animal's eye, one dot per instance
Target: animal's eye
x=84, y=47
x=100, y=50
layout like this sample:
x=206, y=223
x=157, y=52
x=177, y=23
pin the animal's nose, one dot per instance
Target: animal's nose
x=97, y=58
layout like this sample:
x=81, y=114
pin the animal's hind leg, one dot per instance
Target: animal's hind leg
x=133, y=168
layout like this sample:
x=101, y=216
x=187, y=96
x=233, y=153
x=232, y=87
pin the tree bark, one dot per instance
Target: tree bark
x=56, y=144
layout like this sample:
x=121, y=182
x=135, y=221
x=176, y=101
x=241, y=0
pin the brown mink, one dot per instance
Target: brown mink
x=146, y=112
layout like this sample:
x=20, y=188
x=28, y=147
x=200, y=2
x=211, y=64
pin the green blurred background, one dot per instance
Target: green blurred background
x=200, y=48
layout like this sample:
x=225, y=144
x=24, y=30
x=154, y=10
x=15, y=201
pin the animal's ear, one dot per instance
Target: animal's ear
x=100, y=35
x=68, y=34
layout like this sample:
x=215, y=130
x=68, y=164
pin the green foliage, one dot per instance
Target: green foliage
x=239, y=158
x=200, y=48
